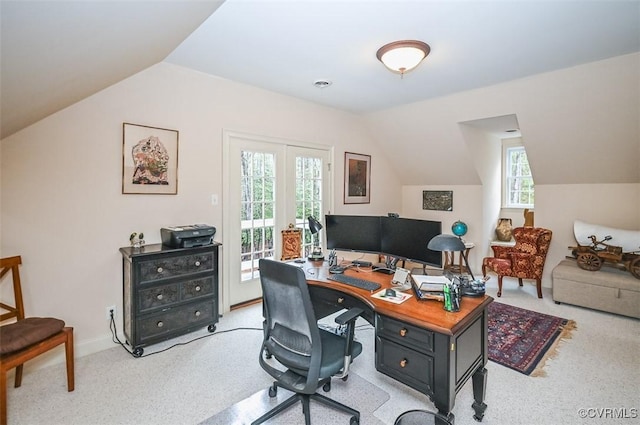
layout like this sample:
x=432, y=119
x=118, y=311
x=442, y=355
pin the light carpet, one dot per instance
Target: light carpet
x=356, y=392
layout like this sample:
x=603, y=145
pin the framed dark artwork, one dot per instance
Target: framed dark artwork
x=440, y=200
x=149, y=160
x=357, y=178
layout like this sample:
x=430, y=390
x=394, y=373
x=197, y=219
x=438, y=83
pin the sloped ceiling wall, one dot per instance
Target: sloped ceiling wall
x=73, y=49
x=579, y=125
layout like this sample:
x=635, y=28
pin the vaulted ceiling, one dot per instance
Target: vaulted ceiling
x=55, y=53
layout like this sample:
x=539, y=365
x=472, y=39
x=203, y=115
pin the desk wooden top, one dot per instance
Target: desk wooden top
x=426, y=314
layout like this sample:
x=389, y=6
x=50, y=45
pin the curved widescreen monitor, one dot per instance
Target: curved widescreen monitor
x=353, y=233
x=407, y=239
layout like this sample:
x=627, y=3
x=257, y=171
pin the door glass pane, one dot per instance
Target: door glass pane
x=257, y=216
x=308, y=198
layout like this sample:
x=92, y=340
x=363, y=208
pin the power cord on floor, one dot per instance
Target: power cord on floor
x=116, y=340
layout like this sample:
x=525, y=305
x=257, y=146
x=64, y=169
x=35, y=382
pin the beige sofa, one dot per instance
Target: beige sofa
x=608, y=289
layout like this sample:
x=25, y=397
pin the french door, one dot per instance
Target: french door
x=269, y=184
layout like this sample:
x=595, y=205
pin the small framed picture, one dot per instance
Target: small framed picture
x=149, y=160
x=357, y=178
x=440, y=200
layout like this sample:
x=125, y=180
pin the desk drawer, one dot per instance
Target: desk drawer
x=327, y=301
x=405, y=365
x=405, y=334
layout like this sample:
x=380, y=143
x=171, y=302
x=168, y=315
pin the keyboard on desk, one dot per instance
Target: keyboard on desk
x=354, y=281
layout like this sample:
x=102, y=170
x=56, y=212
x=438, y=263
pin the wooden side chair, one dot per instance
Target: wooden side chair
x=27, y=338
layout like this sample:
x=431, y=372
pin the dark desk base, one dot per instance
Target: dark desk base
x=436, y=364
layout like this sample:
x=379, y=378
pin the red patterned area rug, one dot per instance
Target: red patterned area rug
x=522, y=339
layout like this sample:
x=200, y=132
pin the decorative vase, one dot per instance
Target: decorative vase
x=503, y=229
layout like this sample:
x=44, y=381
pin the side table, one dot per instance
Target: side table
x=459, y=266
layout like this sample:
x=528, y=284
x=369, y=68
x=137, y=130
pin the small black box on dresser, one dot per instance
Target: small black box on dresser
x=168, y=292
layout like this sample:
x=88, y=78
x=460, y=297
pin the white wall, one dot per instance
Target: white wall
x=581, y=130
x=63, y=211
x=612, y=205
x=62, y=207
x=557, y=206
x=580, y=125
x=467, y=207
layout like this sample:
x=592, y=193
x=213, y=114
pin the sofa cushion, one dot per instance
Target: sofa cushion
x=23, y=333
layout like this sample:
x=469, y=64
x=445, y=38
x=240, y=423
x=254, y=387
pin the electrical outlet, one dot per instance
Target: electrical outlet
x=111, y=308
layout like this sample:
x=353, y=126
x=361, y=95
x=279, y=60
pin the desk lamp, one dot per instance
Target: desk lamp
x=315, y=226
x=450, y=243
x=453, y=243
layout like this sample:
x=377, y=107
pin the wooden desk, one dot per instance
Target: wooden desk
x=417, y=342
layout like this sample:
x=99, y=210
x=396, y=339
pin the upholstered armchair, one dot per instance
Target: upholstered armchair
x=524, y=260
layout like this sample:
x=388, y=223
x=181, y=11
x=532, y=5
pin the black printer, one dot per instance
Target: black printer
x=187, y=236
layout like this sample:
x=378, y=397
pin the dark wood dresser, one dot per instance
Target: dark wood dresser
x=168, y=292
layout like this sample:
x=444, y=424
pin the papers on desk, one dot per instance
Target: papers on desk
x=400, y=297
x=428, y=283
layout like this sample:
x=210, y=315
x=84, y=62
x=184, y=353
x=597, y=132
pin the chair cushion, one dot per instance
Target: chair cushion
x=333, y=347
x=23, y=333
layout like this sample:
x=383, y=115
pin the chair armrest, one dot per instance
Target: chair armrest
x=502, y=251
x=349, y=316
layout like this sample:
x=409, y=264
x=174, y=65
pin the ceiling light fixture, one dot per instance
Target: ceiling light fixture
x=403, y=56
x=322, y=83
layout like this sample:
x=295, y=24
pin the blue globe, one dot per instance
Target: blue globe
x=459, y=228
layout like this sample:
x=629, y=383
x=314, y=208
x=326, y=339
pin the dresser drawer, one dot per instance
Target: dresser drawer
x=195, y=288
x=158, y=296
x=407, y=366
x=172, y=266
x=403, y=333
x=174, y=320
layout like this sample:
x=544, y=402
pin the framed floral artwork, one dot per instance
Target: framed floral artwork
x=149, y=160
x=357, y=178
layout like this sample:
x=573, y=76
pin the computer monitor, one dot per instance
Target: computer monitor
x=407, y=239
x=353, y=233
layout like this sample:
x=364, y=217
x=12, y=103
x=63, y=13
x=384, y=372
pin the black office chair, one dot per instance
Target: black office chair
x=298, y=354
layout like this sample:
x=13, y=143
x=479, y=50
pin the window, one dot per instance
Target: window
x=518, y=187
x=257, y=210
x=308, y=198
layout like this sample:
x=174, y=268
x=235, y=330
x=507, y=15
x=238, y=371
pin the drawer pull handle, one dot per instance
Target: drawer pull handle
x=160, y=269
x=159, y=297
x=197, y=263
x=340, y=300
x=403, y=332
x=160, y=324
x=198, y=288
x=198, y=313
x=403, y=362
